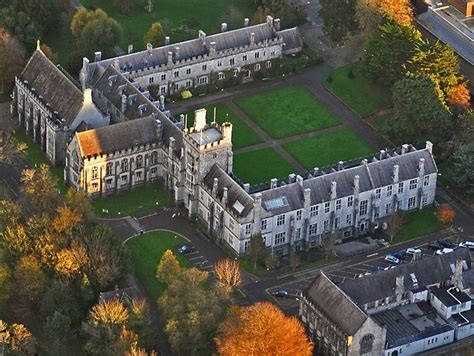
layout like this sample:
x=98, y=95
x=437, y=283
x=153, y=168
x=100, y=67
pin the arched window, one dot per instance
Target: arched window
x=109, y=168
x=95, y=173
x=154, y=157
x=366, y=344
x=124, y=166
x=139, y=161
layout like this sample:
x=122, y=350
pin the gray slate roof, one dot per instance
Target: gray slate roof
x=55, y=87
x=373, y=175
x=234, y=193
x=117, y=137
x=453, y=297
x=335, y=305
x=380, y=285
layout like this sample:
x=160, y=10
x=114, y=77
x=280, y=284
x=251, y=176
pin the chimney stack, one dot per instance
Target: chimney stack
x=270, y=20
x=291, y=178
x=247, y=187
x=130, y=48
x=421, y=167
x=395, y=177
x=215, y=186
x=246, y=22
x=162, y=102
x=307, y=198
x=382, y=154
x=299, y=180
x=315, y=171
x=170, y=57
x=340, y=166
x=399, y=286
x=429, y=146
x=124, y=103
x=202, y=37
x=456, y=278
x=176, y=52
x=404, y=148
x=212, y=47
x=223, y=27
x=333, y=190
x=252, y=38
x=276, y=24
x=97, y=56
x=149, y=48
x=273, y=183
x=167, y=40
x=356, y=184
x=224, y=195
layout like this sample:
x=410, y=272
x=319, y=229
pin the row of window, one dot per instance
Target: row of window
x=124, y=165
x=123, y=180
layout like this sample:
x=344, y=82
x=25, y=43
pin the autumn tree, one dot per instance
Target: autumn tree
x=446, y=214
x=16, y=339
x=48, y=52
x=10, y=149
x=168, y=268
x=401, y=11
x=155, y=35
x=261, y=329
x=15, y=240
x=67, y=220
x=191, y=311
x=338, y=18
x=140, y=322
x=12, y=59
x=459, y=96
x=5, y=283
x=9, y=213
x=77, y=201
x=109, y=315
x=28, y=280
x=228, y=273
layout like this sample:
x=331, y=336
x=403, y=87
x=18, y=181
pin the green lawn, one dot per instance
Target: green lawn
x=242, y=134
x=34, y=156
x=204, y=15
x=146, y=252
x=287, y=112
x=247, y=266
x=419, y=223
x=260, y=166
x=131, y=202
x=327, y=149
x=362, y=96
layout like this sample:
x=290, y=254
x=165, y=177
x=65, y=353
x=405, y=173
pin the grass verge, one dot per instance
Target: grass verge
x=247, y=266
x=146, y=251
x=419, y=223
x=287, y=112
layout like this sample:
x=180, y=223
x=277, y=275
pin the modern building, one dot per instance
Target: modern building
x=412, y=308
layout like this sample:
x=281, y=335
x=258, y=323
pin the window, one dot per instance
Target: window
x=363, y=207
x=124, y=178
x=151, y=80
x=246, y=245
x=426, y=181
x=424, y=199
x=263, y=224
x=350, y=201
x=411, y=202
x=388, y=208
x=248, y=229
x=124, y=165
x=95, y=186
x=338, y=204
x=298, y=233
x=108, y=182
x=232, y=61
x=314, y=210
x=163, y=90
x=389, y=191
x=413, y=183
x=400, y=188
x=336, y=222
x=154, y=158
x=221, y=76
x=313, y=229
x=188, y=84
x=244, y=57
x=299, y=214
x=378, y=193
x=219, y=63
x=204, y=67
x=326, y=225
x=109, y=168
x=139, y=161
x=163, y=77
x=280, y=238
x=327, y=206
x=94, y=173
x=366, y=344
x=231, y=224
x=281, y=220
x=188, y=71
x=376, y=211
x=236, y=72
x=272, y=53
x=257, y=67
x=153, y=171
x=176, y=74
x=349, y=219
x=139, y=175
x=203, y=80
x=268, y=64
x=257, y=55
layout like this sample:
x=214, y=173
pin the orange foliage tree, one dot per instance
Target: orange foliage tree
x=459, y=96
x=262, y=329
x=228, y=273
x=446, y=214
x=400, y=11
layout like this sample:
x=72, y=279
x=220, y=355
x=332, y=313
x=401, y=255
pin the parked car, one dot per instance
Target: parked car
x=281, y=293
x=446, y=243
x=468, y=244
x=435, y=246
x=413, y=251
x=443, y=251
x=392, y=259
x=399, y=254
x=383, y=243
x=185, y=248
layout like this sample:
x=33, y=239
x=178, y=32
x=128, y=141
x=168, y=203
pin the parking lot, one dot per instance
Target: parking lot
x=196, y=259
x=372, y=263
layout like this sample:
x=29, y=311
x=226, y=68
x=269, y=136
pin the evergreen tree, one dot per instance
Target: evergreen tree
x=338, y=17
x=463, y=168
x=155, y=35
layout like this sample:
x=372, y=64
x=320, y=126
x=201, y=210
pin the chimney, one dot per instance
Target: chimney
x=356, y=184
x=246, y=22
x=215, y=186
x=429, y=146
x=167, y=40
x=224, y=195
x=247, y=187
x=84, y=75
x=162, y=102
x=202, y=37
x=87, y=97
x=340, y=166
x=456, y=278
x=130, y=48
x=307, y=198
x=116, y=64
x=333, y=190
x=399, y=285
x=212, y=47
x=291, y=178
x=149, y=48
x=170, y=57
x=223, y=27
x=270, y=20
x=382, y=154
x=364, y=161
x=315, y=171
x=257, y=210
x=252, y=38
x=181, y=118
x=176, y=52
x=273, y=183
x=276, y=24
x=421, y=167
x=396, y=169
x=404, y=148
x=299, y=180
x=124, y=103
x=97, y=56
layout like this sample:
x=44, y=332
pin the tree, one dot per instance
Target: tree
x=328, y=241
x=28, y=280
x=124, y=6
x=262, y=329
x=16, y=338
x=399, y=11
x=464, y=128
x=168, y=268
x=257, y=251
x=463, y=168
x=191, y=311
x=388, y=50
x=110, y=316
x=95, y=31
x=395, y=223
x=12, y=59
x=57, y=326
x=419, y=114
x=155, y=35
x=9, y=213
x=139, y=321
x=5, y=283
x=148, y=6
x=228, y=273
x=77, y=201
x=60, y=296
x=459, y=96
x=48, y=52
x=338, y=18
x=67, y=220
x=16, y=240
x=446, y=214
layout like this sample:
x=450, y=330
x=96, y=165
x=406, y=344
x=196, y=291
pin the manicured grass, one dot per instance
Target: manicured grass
x=131, y=202
x=35, y=157
x=330, y=148
x=260, y=166
x=146, y=251
x=247, y=266
x=361, y=95
x=287, y=112
x=419, y=223
x=242, y=134
x=318, y=263
x=196, y=14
